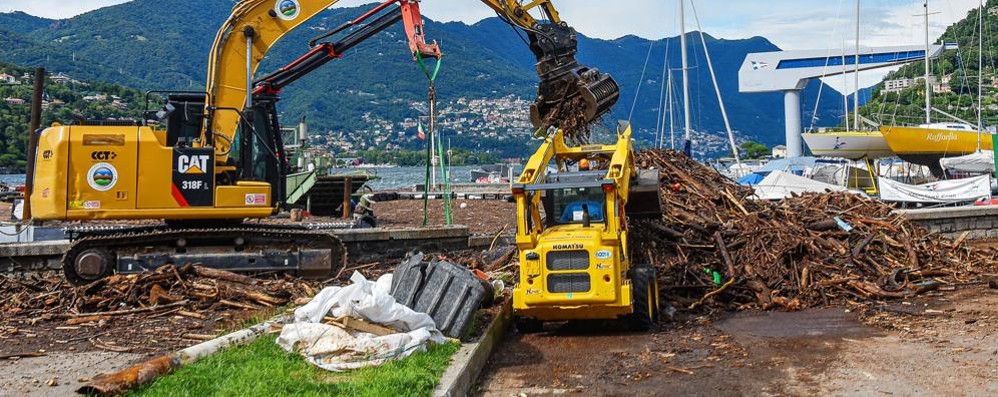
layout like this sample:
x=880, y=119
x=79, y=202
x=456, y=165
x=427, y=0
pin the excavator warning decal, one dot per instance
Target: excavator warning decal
x=193, y=177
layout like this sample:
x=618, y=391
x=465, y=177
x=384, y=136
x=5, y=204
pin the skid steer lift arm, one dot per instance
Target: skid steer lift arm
x=554, y=44
x=324, y=52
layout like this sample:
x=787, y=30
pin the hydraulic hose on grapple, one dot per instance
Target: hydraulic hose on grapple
x=570, y=96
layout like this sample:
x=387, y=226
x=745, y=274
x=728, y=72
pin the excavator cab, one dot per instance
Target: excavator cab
x=183, y=116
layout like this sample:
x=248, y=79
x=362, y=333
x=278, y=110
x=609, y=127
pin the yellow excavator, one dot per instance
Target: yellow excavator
x=209, y=160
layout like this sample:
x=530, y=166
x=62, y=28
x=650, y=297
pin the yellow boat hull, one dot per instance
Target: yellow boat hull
x=925, y=146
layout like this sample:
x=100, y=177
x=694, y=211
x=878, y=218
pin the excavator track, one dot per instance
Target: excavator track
x=245, y=248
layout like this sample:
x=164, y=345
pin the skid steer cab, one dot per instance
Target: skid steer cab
x=572, y=208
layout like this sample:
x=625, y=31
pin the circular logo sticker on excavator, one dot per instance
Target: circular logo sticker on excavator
x=102, y=177
x=288, y=10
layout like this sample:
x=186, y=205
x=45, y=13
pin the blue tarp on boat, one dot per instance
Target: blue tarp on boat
x=751, y=179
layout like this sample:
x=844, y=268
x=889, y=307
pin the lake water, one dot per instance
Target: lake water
x=12, y=179
x=401, y=177
x=390, y=178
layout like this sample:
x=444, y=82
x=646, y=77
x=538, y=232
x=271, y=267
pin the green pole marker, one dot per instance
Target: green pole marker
x=432, y=77
x=994, y=145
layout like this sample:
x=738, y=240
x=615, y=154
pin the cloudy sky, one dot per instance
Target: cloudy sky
x=790, y=24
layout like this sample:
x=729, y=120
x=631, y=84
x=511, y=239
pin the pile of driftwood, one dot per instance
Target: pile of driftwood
x=715, y=245
x=187, y=290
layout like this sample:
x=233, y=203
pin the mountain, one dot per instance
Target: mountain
x=18, y=21
x=155, y=44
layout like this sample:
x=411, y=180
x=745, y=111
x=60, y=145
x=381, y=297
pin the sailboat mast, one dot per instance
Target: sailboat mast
x=672, y=126
x=855, y=95
x=660, y=120
x=687, y=144
x=928, y=87
x=980, y=73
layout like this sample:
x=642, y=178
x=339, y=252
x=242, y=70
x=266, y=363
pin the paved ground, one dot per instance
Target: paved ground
x=57, y=374
x=481, y=216
x=940, y=345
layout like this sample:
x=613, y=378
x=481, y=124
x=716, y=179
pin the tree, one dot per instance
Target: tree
x=754, y=150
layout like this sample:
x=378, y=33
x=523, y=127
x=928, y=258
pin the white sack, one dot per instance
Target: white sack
x=334, y=349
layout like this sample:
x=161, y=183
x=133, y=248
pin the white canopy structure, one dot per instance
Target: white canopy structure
x=789, y=71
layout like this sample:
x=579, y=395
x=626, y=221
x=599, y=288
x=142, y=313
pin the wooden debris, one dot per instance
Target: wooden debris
x=789, y=254
x=188, y=291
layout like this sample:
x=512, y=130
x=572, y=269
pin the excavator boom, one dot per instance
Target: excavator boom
x=245, y=39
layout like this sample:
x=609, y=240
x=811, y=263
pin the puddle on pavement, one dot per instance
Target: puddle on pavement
x=812, y=323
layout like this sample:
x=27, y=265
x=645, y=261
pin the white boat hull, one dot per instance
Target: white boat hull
x=848, y=145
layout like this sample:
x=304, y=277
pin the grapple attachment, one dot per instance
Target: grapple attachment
x=569, y=94
x=584, y=91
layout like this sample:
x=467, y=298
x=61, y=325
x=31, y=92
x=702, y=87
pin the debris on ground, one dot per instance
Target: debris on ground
x=186, y=290
x=341, y=347
x=715, y=245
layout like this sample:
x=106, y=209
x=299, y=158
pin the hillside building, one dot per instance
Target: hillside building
x=897, y=85
x=6, y=79
x=993, y=11
x=941, y=88
x=62, y=78
x=14, y=101
x=779, y=152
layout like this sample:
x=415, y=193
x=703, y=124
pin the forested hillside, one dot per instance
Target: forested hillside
x=63, y=102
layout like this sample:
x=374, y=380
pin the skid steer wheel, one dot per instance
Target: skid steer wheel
x=525, y=325
x=644, y=292
x=90, y=265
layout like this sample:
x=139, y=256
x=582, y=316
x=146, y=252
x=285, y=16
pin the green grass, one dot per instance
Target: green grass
x=264, y=369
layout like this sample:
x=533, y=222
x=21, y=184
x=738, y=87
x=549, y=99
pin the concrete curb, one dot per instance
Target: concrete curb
x=469, y=360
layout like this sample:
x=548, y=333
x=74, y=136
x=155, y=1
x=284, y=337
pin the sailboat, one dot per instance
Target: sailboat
x=852, y=144
x=930, y=142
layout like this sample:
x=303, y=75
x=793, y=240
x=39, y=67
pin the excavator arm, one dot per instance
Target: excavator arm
x=253, y=28
x=323, y=52
x=570, y=95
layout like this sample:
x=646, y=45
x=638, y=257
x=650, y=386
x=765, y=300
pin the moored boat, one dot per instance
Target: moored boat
x=928, y=143
x=852, y=145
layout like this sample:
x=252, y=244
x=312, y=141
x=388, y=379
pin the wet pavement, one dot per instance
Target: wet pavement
x=948, y=347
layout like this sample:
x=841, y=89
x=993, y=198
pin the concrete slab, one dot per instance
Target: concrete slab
x=950, y=212
x=31, y=376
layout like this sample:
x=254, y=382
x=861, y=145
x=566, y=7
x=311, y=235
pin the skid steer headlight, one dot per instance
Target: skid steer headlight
x=533, y=256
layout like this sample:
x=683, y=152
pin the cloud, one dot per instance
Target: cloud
x=55, y=9
x=790, y=24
